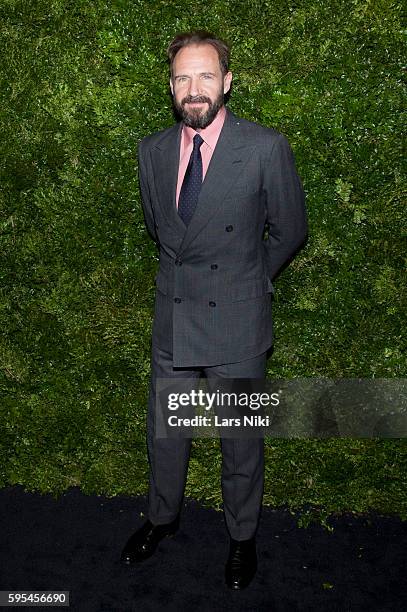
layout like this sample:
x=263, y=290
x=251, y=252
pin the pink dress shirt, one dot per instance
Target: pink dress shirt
x=210, y=136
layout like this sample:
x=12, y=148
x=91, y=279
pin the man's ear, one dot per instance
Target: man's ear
x=171, y=86
x=227, y=82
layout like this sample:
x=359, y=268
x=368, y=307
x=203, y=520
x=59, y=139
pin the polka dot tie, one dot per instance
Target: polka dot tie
x=192, y=183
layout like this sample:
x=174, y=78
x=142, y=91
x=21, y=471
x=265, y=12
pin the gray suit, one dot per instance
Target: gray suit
x=214, y=284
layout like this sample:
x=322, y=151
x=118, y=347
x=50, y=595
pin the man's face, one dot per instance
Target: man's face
x=198, y=85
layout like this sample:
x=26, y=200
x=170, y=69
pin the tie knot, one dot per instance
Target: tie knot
x=198, y=140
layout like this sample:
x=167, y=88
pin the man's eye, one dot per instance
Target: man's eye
x=207, y=76
x=181, y=79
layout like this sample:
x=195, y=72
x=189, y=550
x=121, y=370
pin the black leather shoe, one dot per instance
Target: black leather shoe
x=142, y=544
x=241, y=565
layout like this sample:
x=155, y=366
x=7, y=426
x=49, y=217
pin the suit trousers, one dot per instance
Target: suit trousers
x=242, y=475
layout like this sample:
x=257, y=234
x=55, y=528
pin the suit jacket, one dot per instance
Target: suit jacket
x=214, y=283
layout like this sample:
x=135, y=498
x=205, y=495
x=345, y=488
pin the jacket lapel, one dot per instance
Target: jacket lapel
x=165, y=156
x=228, y=160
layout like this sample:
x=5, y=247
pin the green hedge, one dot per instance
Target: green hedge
x=82, y=82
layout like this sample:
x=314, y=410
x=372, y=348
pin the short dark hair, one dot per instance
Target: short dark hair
x=200, y=37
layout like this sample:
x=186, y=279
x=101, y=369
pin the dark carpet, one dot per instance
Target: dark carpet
x=73, y=543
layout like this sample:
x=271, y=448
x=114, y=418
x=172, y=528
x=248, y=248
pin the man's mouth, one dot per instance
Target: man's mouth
x=195, y=102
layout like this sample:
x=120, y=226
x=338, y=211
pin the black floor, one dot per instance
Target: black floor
x=73, y=543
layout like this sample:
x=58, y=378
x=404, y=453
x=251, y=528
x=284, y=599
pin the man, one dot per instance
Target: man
x=210, y=185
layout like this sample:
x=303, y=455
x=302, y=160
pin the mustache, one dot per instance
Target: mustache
x=189, y=99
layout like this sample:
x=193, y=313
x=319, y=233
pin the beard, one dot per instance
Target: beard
x=195, y=118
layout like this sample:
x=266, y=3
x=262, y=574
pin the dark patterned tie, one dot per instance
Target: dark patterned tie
x=192, y=183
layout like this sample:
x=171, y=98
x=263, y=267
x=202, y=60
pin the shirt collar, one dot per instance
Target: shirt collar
x=209, y=134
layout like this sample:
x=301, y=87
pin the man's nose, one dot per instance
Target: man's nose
x=195, y=86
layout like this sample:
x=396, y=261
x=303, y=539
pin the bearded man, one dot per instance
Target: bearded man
x=224, y=204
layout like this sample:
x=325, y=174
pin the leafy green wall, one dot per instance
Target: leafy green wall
x=82, y=83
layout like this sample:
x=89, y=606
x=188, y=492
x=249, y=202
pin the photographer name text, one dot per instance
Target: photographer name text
x=217, y=421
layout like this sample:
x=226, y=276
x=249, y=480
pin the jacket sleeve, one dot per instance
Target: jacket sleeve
x=145, y=193
x=285, y=207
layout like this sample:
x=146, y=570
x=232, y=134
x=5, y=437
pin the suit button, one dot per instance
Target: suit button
x=178, y=262
x=214, y=266
x=229, y=228
x=213, y=304
x=177, y=300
